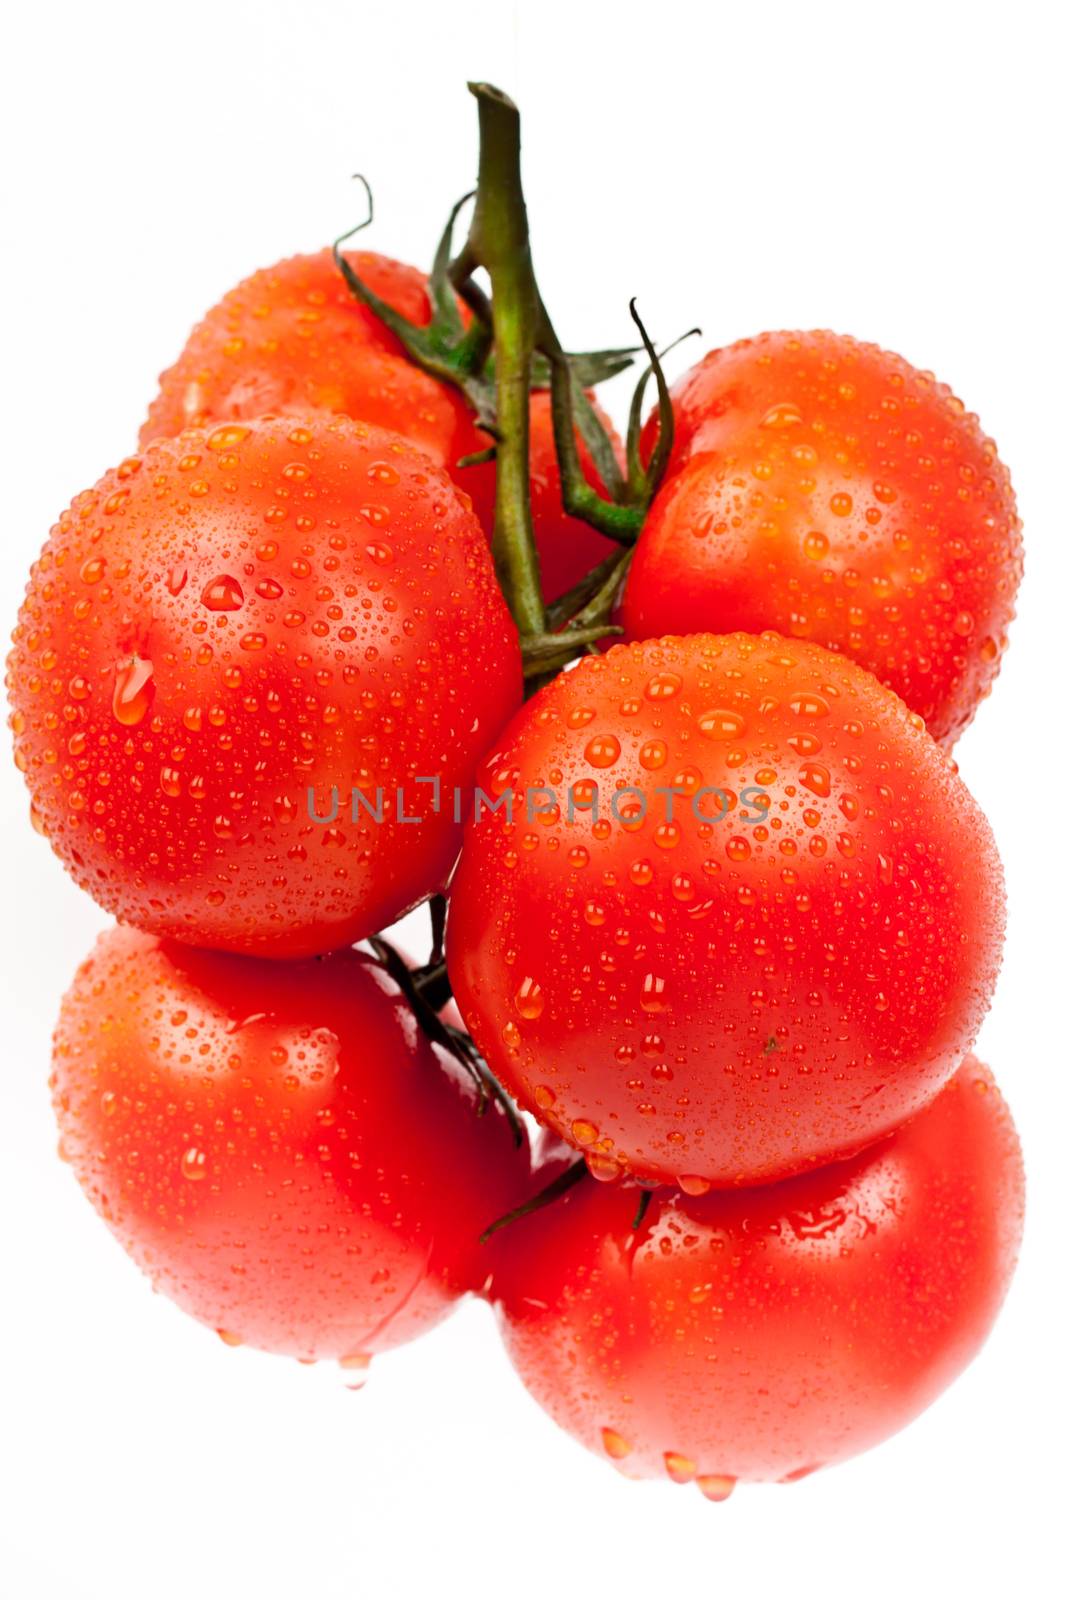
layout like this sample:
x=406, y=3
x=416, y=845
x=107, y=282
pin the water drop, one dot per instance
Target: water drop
x=194, y=1164
x=223, y=593
x=716, y=1486
x=134, y=691
x=722, y=724
x=603, y=750
x=227, y=438
x=529, y=999
x=781, y=416
x=614, y=1443
x=664, y=686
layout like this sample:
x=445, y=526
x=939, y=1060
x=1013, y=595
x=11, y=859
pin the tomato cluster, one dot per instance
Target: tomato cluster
x=714, y=908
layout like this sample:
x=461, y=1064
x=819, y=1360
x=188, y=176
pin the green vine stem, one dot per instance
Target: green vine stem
x=552, y=1191
x=499, y=241
x=508, y=348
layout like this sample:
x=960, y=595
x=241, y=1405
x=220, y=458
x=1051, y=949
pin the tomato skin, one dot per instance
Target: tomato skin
x=277, y=1146
x=707, y=1002
x=293, y=337
x=762, y=1334
x=230, y=620
x=825, y=488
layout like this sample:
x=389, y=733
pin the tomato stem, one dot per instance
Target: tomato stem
x=586, y=589
x=499, y=241
x=444, y=347
x=642, y=1210
x=438, y=918
x=552, y=1191
x=455, y=1041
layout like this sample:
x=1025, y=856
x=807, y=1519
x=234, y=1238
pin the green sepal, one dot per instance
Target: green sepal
x=445, y=348
x=588, y=367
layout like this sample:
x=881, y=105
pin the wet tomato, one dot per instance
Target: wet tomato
x=293, y=337
x=278, y=1146
x=227, y=637
x=763, y=1334
x=744, y=917
x=825, y=488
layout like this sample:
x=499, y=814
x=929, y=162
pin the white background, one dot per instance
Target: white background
x=893, y=171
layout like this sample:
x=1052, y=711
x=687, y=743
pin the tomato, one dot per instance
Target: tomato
x=226, y=637
x=754, y=925
x=766, y=1333
x=278, y=1146
x=293, y=337
x=825, y=488
x=567, y=547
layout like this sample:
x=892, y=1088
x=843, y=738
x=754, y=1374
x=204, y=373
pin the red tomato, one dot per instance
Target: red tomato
x=827, y=489
x=230, y=621
x=293, y=337
x=763, y=1334
x=768, y=967
x=278, y=1146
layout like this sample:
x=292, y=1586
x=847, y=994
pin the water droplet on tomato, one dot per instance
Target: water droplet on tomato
x=716, y=1486
x=653, y=993
x=664, y=686
x=603, y=750
x=809, y=705
x=134, y=691
x=680, y=1469
x=227, y=438
x=223, y=593
x=816, y=778
x=529, y=999
x=722, y=724
x=784, y=415
x=355, y=1368
x=614, y=1443
x=194, y=1164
